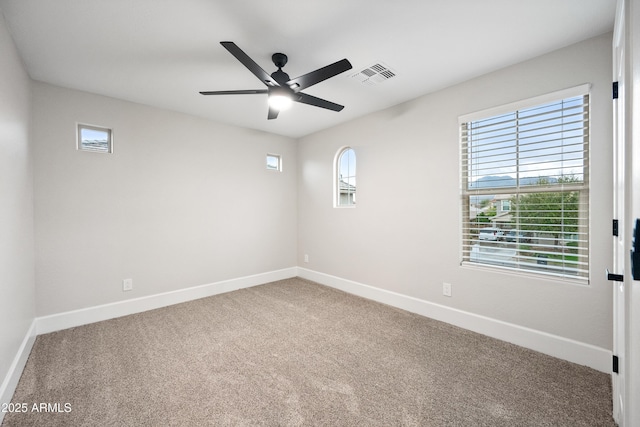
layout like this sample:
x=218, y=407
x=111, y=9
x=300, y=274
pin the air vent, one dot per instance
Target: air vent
x=374, y=74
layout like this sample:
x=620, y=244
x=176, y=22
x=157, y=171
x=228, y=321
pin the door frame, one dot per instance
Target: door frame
x=619, y=53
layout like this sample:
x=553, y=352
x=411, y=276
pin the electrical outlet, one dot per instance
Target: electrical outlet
x=306, y=257
x=446, y=289
x=127, y=285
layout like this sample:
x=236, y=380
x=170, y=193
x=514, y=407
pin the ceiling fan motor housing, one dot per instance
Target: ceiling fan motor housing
x=279, y=59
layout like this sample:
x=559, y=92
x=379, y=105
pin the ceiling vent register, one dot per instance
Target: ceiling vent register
x=374, y=74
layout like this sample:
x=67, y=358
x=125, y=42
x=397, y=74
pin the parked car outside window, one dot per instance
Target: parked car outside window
x=490, y=233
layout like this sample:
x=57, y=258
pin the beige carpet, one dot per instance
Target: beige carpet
x=295, y=353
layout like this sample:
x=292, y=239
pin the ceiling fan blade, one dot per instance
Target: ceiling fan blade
x=321, y=74
x=234, y=92
x=273, y=113
x=317, y=102
x=249, y=63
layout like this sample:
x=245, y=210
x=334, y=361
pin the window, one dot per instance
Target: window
x=345, y=185
x=94, y=138
x=535, y=156
x=274, y=162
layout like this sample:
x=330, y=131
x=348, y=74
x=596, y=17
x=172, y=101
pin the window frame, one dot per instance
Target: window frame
x=582, y=189
x=81, y=147
x=337, y=179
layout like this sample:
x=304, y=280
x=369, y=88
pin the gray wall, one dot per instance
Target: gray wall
x=404, y=234
x=181, y=202
x=16, y=204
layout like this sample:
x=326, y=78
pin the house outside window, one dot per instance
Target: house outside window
x=525, y=186
x=345, y=178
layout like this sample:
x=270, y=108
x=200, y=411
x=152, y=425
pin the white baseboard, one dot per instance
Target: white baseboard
x=70, y=319
x=563, y=348
x=10, y=382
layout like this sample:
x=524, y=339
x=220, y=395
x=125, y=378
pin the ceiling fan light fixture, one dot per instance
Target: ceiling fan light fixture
x=280, y=101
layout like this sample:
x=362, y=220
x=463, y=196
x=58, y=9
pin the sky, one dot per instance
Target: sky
x=549, y=142
x=93, y=135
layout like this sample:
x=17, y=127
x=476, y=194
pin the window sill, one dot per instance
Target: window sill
x=547, y=277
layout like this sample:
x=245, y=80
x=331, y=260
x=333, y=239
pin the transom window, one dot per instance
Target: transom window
x=525, y=186
x=345, y=182
x=274, y=162
x=94, y=138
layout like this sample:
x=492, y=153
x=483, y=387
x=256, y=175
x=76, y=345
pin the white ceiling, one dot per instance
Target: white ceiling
x=162, y=52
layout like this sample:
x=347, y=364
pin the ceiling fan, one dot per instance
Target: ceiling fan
x=281, y=89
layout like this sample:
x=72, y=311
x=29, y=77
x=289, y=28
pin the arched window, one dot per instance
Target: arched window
x=345, y=188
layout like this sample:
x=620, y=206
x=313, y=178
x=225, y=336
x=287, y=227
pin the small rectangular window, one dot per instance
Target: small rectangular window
x=94, y=138
x=274, y=163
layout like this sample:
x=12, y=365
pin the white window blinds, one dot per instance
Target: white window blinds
x=525, y=188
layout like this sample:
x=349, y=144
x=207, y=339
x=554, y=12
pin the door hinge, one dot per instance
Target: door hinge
x=615, y=227
x=614, y=277
x=615, y=365
x=615, y=90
